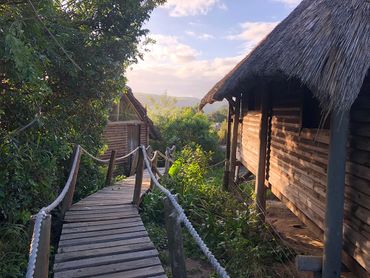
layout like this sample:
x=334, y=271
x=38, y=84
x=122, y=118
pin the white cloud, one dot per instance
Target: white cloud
x=201, y=36
x=177, y=68
x=191, y=7
x=252, y=33
x=290, y=3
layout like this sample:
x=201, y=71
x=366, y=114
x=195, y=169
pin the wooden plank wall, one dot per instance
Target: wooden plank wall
x=115, y=135
x=298, y=166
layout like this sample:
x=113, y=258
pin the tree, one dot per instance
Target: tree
x=63, y=61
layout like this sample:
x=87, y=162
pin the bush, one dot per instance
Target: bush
x=187, y=127
x=229, y=228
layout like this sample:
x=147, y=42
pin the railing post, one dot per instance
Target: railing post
x=138, y=177
x=108, y=180
x=167, y=162
x=154, y=167
x=42, y=259
x=68, y=199
x=175, y=242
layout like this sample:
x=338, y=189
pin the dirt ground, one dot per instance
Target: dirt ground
x=294, y=234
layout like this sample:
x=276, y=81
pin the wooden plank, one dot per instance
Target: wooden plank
x=104, y=260
x=112, y=250
x=93, y=234
x=100, y=222
x=102, y=238
x=91, y=245
x=101, y=227
x=107, y=269
x=141, y=272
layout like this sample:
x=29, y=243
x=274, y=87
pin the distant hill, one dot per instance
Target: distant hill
x=145, y=100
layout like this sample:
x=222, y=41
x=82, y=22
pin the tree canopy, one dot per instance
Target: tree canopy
x=61, y=65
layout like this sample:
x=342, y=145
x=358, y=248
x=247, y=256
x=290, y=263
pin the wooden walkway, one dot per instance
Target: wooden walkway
x=103, y=236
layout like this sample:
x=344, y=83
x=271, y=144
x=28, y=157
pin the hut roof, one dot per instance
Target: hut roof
x=324, y=44
x=140, y=109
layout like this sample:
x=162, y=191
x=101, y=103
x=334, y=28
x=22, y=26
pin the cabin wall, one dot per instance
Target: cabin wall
x=116, y=134
x=297, y=167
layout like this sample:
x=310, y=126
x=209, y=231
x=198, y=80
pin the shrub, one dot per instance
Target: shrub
x=229, y=228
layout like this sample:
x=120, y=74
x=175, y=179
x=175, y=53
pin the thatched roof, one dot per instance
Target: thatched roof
x=325, y=44
x=140, y=109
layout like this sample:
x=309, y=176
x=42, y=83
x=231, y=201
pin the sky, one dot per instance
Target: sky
x=197, y=42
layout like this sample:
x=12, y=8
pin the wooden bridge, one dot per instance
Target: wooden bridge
x=103, y=235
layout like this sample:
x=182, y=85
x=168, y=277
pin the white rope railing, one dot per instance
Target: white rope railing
x=41, y=215
x=127, y=155
x=94, y=157
x=183, y=218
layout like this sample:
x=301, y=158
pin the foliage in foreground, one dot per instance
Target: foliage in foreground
x=63, y=61
x=229, y=228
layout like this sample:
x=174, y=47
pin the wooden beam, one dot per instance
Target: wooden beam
x=138, y=178
x=108, y=180
x=333, y=234
x=234, y=142
x=175, y=241
x=260, y=188
x=43, y=251
x=227, y=154
x=68, y=199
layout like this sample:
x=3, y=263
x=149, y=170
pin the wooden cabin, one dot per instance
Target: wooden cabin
x=299, y=120
x=128, y=127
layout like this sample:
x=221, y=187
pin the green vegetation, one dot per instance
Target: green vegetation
x=229, y=228
x=64, y=62
x=184, y=126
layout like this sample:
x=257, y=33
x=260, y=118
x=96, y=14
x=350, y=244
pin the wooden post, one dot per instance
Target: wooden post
x=260, y=189
x=42, y=260
x=68, y=199
x=138, y=178
x=309, y=264
x=333, y=236
x=154, y=167
x=234, y=142
x=227, y=154
x=167, y=162
x=108, y=180
x=175, y=242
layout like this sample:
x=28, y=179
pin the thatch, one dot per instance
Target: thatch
x=140, y=109
x=325, y=44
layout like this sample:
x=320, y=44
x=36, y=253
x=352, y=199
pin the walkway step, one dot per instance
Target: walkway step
x=103, y=236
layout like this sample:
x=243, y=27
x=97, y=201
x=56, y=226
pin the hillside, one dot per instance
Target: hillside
x=146, y=100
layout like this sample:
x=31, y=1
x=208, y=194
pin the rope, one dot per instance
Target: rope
x=182, y=218
x=35, y=243
x=43, y=213
x=94, y=157
x=127, y=155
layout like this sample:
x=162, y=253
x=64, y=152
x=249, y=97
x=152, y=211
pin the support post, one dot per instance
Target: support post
x=108, y=180
x=227, y=154
x=68, y=199
x=234, y=143
x=333, y=237
x=42, y=260
x=260, y=189
x=154, y=168
x=138, y=177
x=167, y=164
x=175, y=242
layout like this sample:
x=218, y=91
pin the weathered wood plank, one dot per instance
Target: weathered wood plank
x=92, y=245
x=107, y=269
x=104, y=260
x=141, y=272
x=112, y=250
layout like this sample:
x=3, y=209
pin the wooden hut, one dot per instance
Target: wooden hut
x=299, y=120
x=128, y=127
